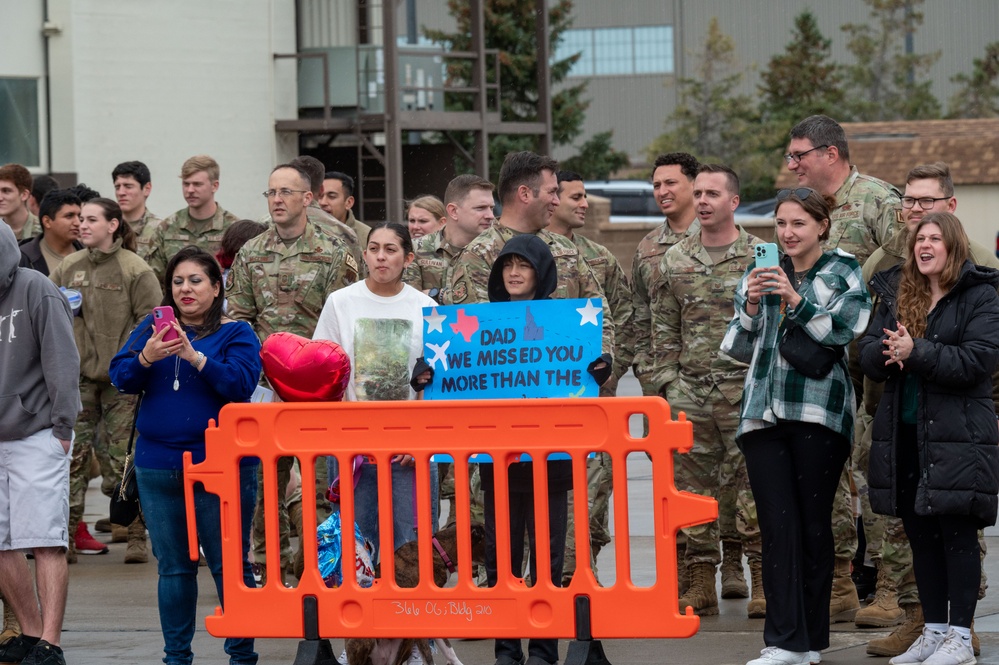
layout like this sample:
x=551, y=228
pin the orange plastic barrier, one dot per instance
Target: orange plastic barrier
x=501, y=428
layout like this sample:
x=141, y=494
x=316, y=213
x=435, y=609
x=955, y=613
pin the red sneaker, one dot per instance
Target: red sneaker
x=87, y=544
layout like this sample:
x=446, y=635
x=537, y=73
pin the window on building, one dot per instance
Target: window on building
x=19, y=131
x=610, y=51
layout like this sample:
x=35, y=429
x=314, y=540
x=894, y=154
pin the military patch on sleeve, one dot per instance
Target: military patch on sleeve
x=351, y=262
x=459, y=293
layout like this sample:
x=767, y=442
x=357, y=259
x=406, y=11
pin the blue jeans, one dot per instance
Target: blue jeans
x=403, y=496
x=162, y=492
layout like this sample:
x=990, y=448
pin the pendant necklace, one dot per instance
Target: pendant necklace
x=176, y=374
x=799, y=277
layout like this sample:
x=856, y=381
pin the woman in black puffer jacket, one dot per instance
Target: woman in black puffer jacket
x=934, y=460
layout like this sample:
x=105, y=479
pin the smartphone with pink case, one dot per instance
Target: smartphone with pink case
x=162, y=317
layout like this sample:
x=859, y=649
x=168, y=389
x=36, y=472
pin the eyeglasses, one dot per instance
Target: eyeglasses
x=801, y=192
x=926, y=202
x=283, y=193
x=796, y=157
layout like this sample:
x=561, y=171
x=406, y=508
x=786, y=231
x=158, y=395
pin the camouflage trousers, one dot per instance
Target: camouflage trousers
x=105, y=412
x=258, y=533
x=599, y=480
x=715, y=467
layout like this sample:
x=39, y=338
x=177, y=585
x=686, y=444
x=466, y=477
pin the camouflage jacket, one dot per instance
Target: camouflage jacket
x=358, y=227
x=434, y=255
x=178, y=231
x=612, y=280
x=644, y=273
x=692, y=304
x=469, y=274
x=144, y=229
x=277, y=288
x=865, y=216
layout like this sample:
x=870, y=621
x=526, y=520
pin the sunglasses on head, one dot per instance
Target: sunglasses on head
x=801, y=192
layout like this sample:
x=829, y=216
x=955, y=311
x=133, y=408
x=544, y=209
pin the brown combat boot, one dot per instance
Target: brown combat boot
x=903, y=636
x=844, y=603
x=136, y=551
x=11, y=628
x=976, y=645
x=884, y=611
x=757, y=606
x=701, y=595
x=732, y=574
x=119, y=534
x=298, y=558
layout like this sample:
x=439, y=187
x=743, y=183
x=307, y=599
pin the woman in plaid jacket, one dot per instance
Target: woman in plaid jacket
x=796, y=426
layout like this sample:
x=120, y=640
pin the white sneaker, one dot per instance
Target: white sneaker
x=924, y=647
x=342, y=658
x=954, y=650
x=778, y=656
x=814, y=657
x=415, y=658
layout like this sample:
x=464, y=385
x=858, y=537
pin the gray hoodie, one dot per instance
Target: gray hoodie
x=39, y=363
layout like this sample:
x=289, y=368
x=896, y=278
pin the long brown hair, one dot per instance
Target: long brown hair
x=112, y=210
x=914, y=294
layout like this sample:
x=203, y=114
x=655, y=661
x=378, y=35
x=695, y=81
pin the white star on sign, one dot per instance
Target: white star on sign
x=589, y=313
x=434, y=321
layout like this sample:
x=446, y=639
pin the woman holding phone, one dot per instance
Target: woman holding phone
x=797, y=416
x=117, y=290
x=184, y=383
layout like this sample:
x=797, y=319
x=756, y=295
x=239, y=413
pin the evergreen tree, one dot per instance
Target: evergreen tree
x=510, y=28
x=597, y=158
x=884, y=82
x=715, y=123
x=978, y=96
x=801, y=81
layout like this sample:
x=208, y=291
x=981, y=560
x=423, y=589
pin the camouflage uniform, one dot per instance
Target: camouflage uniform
x=612, y=280
x=359, y=228
x=470, y=272
x=144, y=229
x=886, y=539
x=32, y=227
x=691, y=304
x=434, y=255
x=180, y=230
x=866, y=216
x=644, y=273
x=118, y=290
x=278, y=288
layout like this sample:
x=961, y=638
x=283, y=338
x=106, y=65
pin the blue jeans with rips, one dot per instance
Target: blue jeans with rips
x=162, y=498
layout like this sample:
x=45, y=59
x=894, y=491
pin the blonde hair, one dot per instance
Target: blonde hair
x=914, y=287
x=200, y=163
x=431, y=204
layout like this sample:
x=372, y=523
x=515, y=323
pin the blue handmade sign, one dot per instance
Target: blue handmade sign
x=529, y=348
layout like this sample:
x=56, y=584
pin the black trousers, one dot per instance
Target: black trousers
x=521, y=517
x=945, y=555
x=794, y=470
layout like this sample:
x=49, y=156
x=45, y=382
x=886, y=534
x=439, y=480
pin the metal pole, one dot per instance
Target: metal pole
x=481, y=103
x=393, y=133
x=544, y=76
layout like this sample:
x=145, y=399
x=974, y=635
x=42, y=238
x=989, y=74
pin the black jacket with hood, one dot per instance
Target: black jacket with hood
x=956, y=429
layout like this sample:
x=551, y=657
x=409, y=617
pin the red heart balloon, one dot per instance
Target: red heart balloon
x=305, y=370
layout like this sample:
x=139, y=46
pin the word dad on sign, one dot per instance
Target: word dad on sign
x=530, y=348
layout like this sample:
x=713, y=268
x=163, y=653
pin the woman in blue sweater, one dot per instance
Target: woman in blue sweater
x=185, y=382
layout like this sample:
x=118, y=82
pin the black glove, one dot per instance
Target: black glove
x=419, y=368
x=601, y=375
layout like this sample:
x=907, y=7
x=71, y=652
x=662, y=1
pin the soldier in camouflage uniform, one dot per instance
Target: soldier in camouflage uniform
x=132, y=186
x=15, y=189
x=864, y=218
x=570, y=215
x=337, y=199
x=201, y=223
x=690, y=307
x=896, y=598
x=673, y=188
x=279, y=281
x=529, y=191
